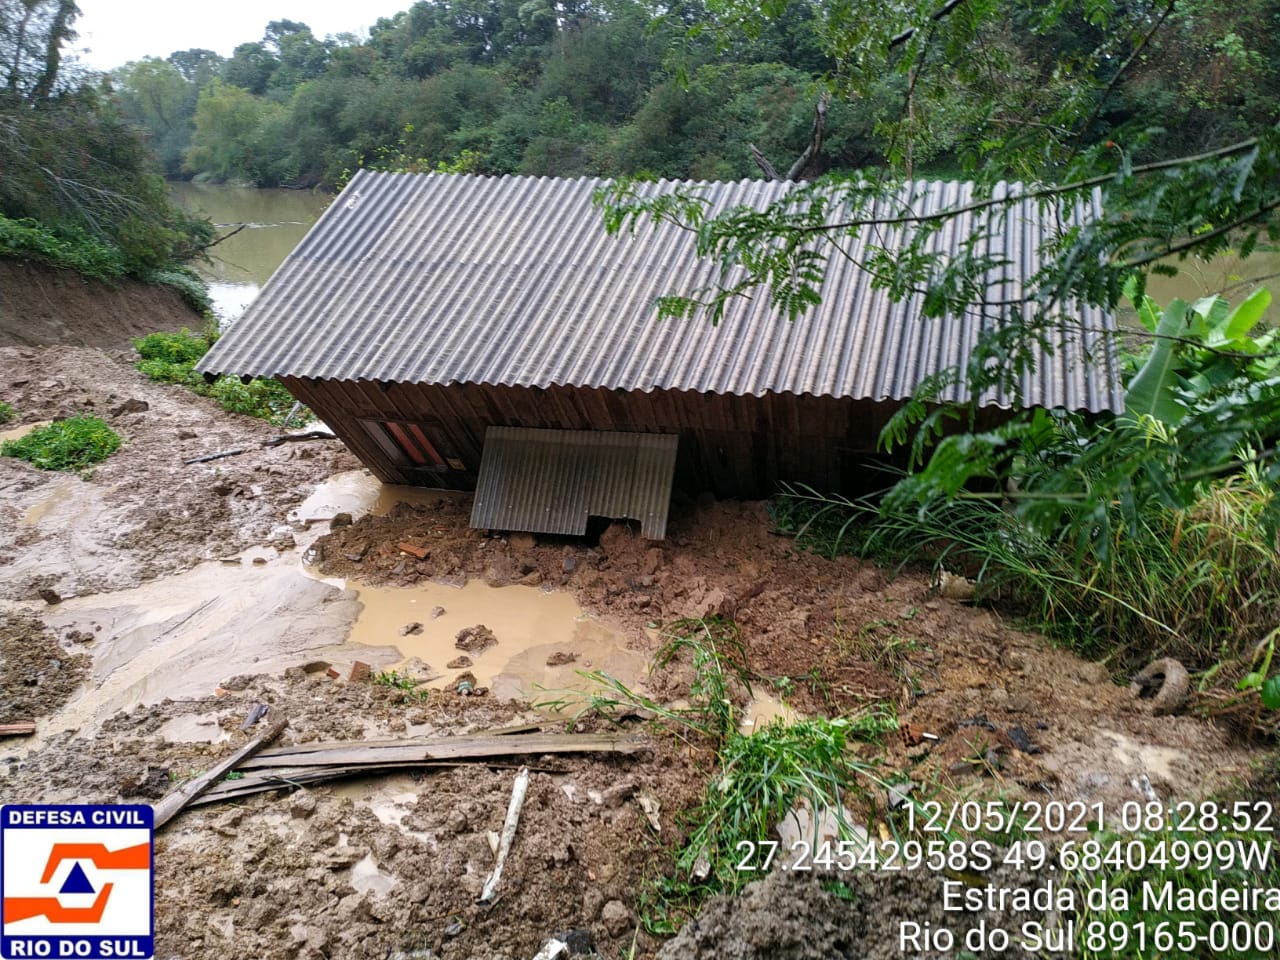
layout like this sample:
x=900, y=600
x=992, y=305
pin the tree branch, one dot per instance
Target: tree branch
x=1111, y=85
x=940, y=14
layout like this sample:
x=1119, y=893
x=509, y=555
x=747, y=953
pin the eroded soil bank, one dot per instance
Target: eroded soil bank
x=42, y=305
x=175, y=597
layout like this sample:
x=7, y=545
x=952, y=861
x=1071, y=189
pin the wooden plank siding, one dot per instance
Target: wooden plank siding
x=732, y=446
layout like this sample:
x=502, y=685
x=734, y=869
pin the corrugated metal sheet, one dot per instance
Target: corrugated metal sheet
x=551, y=481
x=441, y=279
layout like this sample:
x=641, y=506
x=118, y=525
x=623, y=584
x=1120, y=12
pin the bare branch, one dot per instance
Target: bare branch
x=940, y=14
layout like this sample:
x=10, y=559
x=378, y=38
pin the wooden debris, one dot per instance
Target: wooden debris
x=298, y=437
x=470, y=747
x=360, y=672
x=214, y=456
x=172, y=805
x=310, y=763
x=273, y=442
x=518, y=791
x=23, y=728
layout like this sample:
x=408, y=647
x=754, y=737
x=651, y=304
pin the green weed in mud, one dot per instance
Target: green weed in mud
x=1161, y=894
x=76, y=443
x=7, y=412
x=757, y=778
x=1201, y=584
x=399, y=680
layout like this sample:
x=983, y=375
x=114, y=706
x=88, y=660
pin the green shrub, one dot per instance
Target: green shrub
x=7, y=412
x=173, y=348
x=171, y=358
x=72, y=444
x=68, y=247
x=266, y=399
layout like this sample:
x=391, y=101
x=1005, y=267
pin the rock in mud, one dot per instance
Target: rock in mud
x=340, y=520
x=560, y=658
x=616, y=918
x=459, y=663
x=132, y=405
x=411, y=629
x=475, y=639
x=153, y=784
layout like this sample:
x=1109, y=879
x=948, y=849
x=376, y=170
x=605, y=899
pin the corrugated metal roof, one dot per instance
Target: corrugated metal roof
x=551, y=481
x=460, y=279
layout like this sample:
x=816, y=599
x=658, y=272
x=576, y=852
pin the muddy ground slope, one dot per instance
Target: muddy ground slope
x=174, y=597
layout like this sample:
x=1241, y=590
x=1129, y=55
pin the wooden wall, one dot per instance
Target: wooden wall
x=733, y=446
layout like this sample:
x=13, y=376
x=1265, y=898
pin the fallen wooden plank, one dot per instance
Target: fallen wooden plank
x=23, y=728
x=277, y=779
x=172, y=805
x=316, y=745
x=444, y=748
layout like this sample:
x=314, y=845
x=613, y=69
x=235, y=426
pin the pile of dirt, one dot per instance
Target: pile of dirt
x=383, y=866
x=37, y=674
x=41, y=305
x=389, y=866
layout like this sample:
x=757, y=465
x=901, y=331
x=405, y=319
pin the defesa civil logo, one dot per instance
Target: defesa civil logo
x=76, y=881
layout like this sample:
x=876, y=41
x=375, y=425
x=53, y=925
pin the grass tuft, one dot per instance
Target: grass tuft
x=74, y=444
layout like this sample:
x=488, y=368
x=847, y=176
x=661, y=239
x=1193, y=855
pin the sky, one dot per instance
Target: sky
x=113, y=32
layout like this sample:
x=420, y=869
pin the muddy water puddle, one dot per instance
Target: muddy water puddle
x=543, y=642
x=260, y=611
x=762, y=710
x=358, y=492
x=389, y=797
x=17, y=433
x=64, y=491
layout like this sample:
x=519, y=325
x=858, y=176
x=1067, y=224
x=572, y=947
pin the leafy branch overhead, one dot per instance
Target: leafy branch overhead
x=1041, y=107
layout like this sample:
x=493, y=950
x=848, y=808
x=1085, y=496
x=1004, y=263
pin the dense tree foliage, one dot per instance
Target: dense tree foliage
x=620, y=87
x=499, y=87
x=79, y=185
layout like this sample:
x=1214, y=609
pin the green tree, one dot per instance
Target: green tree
x=230, y=126
x=154, y=94
x=77, y=178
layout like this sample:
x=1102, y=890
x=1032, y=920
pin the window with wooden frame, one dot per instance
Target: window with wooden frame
x=416, y=445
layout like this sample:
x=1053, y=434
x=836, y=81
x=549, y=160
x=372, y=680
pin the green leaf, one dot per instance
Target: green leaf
x=1151, y=391
x=1250, y=681
x=1247, y=314
x=1271, y=693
